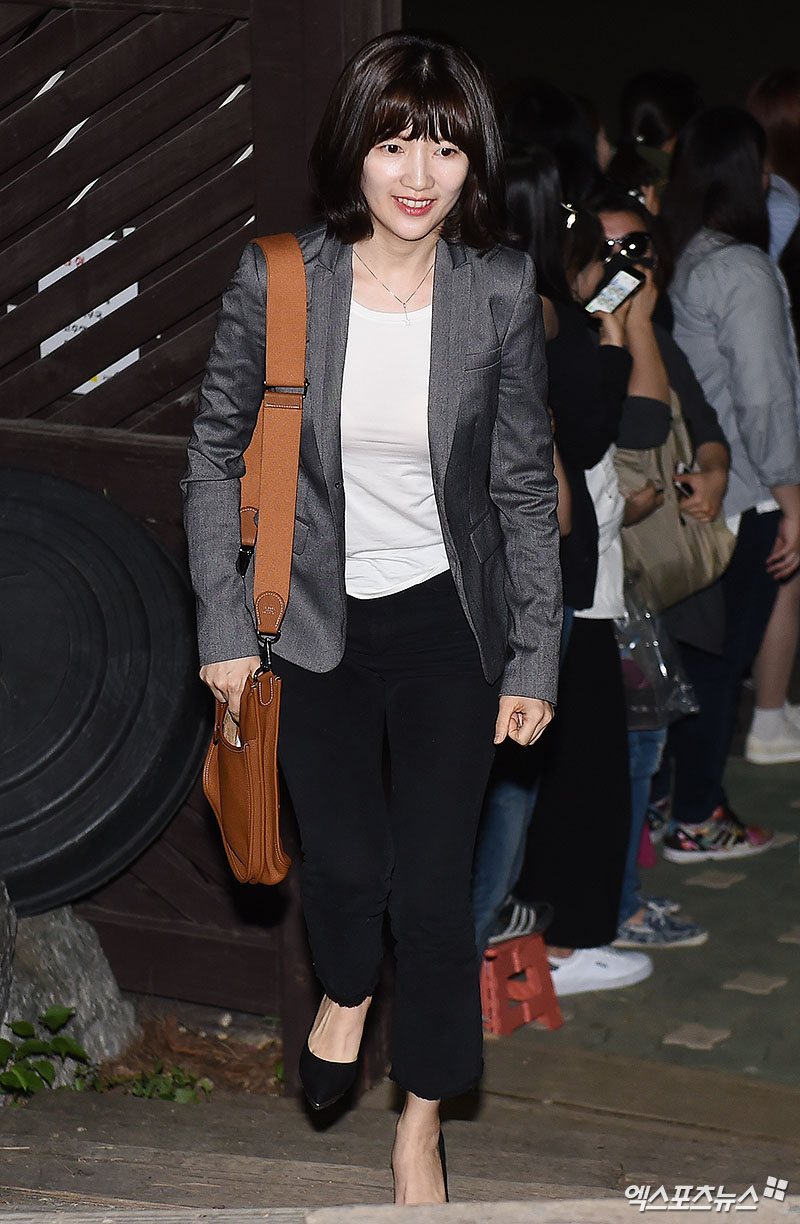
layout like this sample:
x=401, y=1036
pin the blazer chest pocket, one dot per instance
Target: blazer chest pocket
x=483, y=360
x=486, y=536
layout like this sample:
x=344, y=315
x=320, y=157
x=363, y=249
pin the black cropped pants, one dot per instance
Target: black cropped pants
x=411, y=677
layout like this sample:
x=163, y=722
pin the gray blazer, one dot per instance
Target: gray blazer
x=491, y=458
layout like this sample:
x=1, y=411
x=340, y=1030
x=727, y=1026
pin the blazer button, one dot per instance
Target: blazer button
x=338, y=484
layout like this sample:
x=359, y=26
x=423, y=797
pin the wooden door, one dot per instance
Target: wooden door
x=141, y=146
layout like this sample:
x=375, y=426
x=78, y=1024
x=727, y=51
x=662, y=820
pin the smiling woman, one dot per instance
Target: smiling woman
x=438, y=95
x=419, y=179
x=425, y=605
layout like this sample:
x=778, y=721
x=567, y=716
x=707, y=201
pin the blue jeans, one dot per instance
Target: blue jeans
x=507, y=810
x=645, y=749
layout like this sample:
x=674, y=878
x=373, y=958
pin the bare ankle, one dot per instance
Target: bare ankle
x=337, y=1030
x=418, y=1175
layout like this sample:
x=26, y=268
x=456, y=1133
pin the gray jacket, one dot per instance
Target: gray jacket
x=732, y=321
x=491, y=458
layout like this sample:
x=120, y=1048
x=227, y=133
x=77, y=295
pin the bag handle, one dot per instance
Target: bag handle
x=269, y=485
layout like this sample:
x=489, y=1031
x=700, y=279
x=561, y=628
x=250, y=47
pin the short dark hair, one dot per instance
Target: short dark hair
x=434, y=90
x=716, y=179
x=537, y=218
x=774, y=101
x=654, y=106
x=538, y=113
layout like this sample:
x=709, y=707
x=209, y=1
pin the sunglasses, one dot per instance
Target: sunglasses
x=633, y=246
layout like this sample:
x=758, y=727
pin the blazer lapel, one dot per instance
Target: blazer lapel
x=452, y=286
x=328, y=320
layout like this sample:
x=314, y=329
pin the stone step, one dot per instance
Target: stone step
x=573, y=1211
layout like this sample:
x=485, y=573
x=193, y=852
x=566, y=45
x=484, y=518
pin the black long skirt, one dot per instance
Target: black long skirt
x=578, y=837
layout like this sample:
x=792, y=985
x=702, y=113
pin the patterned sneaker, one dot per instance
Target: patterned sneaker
x=663, y=905
x=659, y=930
x=724, y=836
x=517, y=919
x=658, y=819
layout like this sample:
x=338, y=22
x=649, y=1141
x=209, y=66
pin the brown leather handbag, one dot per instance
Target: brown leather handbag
x=240, y=775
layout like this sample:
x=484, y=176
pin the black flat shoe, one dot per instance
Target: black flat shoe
x=325, y=1082
x=443, y=1158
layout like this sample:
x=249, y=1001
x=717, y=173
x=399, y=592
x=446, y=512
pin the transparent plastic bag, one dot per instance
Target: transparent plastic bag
x=657, y=691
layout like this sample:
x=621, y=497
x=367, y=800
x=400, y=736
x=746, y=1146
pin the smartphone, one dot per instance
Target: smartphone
x=620, y=281
x=682, y=487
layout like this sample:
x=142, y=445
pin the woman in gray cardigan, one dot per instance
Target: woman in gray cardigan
x=424, y=611
x=732, y=321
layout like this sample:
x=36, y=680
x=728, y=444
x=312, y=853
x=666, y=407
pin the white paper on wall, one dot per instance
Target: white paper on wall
x=97, y=312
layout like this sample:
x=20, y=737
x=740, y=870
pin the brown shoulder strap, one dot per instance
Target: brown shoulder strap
x=269, y=485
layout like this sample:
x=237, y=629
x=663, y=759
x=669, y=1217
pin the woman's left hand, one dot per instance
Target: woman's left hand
x=522, y=719
x=708, y=488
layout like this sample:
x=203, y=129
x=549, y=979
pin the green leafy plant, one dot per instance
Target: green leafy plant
x=166, y=1084
x=28, y=1063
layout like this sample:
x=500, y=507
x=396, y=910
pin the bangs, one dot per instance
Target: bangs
x=432, y=111
x=412, y=86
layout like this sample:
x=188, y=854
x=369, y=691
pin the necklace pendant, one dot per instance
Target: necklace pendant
x=408, y=320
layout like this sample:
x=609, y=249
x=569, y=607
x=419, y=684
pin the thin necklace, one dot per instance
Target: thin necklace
x=404, y=304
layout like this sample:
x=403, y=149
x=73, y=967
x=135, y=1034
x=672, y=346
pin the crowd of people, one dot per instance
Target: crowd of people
x=705, y=203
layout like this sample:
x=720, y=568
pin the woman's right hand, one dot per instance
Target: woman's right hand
x=785, y=556
x=612, y=326
x=643, y=303
x=227, y=680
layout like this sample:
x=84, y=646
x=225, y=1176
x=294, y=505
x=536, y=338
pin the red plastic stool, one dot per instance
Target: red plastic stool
x=516, y=986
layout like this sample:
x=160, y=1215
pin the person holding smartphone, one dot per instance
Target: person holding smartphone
x=661, y=371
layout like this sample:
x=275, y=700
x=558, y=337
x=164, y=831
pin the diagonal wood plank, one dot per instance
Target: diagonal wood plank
x=150, y=43
x=229, y=8
x=124, y=132
x=51, y=46
x=195, y=215
x=16, y=17
x=122, y=197
x=166, y=378
x=162, y=305
x=159, y=373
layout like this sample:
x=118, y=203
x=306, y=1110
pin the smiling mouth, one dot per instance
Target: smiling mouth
x=413, y=208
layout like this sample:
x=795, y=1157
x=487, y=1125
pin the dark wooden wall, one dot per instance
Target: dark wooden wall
x=175, y=130
x=184, y=127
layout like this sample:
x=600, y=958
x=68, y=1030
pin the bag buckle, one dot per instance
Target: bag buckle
x=271, y=389
x=265, y=641
x=243, y=560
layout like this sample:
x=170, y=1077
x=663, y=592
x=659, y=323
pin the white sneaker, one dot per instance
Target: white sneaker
x=780, y=749
x=598, y=969
x=792, y=714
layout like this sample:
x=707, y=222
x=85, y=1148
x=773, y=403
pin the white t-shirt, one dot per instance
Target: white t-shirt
x=609, y=508
x=393, y=538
